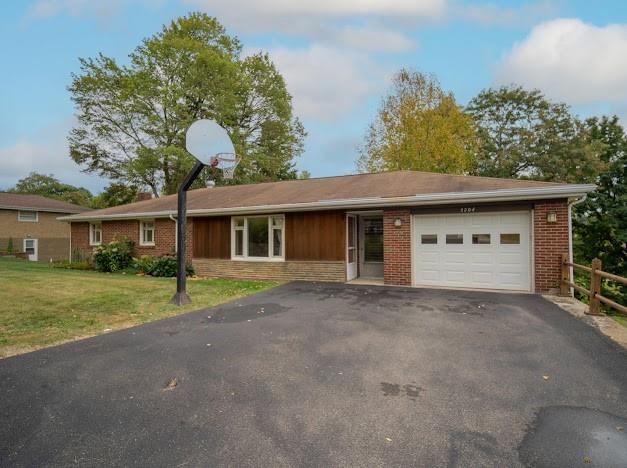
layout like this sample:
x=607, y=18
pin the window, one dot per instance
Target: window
x=29, y=246
x=95, y=234
x=510, y=238
x=481, y=238
x=147, y=233
x=257, y=237
x=27, y=216
x=429, y=239
x=454, y=238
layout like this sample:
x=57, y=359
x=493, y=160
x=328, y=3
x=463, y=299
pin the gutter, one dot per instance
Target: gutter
x=533, y=193
x=46, y=210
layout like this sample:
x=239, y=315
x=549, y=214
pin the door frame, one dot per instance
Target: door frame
x=362, y=244
x=352, y=268
x=35, y=246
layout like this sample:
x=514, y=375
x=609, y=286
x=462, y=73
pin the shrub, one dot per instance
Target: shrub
x=10, y=246
x=164, y=266
x=144, y=264
x=114, y=256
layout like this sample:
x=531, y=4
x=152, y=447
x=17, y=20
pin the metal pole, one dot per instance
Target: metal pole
x=181, y=297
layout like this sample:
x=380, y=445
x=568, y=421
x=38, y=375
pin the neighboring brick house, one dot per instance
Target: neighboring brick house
x=31, y=224
x=403, y=228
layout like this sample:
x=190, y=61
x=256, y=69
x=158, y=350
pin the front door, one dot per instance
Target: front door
x=371, y=246
x=351, y=247
x=30, y=248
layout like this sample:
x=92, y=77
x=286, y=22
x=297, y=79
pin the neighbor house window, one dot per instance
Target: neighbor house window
x=95, y=234
x=27, y=216
x=257, y=237
x=147, y=233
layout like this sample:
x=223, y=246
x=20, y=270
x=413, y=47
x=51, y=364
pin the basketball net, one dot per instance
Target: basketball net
x=226, y=162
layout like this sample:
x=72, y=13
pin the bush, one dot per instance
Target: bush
x=114, y=256
x=144, y=264
x=164, y=266
x=10, y=246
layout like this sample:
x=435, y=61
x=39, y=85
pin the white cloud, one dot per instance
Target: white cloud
x=42, y=9
x=262, y=13
x=45, y=151
x=373, y=39
x=571, y=60
x=327, y=82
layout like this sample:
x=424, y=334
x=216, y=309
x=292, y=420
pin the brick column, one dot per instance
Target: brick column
x=397, y=247
x=550, y=242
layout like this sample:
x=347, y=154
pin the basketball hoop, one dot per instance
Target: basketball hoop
x=211, y=145
x=226, y=162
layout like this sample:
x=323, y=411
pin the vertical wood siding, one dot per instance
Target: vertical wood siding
x=212, y=237
x=315, y=235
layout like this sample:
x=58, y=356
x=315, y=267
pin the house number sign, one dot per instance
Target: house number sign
x=467, y=209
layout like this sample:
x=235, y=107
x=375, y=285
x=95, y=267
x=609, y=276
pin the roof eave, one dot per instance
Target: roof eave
x=47, y=210
x=533, y=193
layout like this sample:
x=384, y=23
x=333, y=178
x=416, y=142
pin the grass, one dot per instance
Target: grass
x=620, y=319
x=42, y=305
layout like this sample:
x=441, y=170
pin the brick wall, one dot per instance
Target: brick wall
x=550, y=242
x=165, y=236
x=397, y=247
x=80, y=241
x=288, y=270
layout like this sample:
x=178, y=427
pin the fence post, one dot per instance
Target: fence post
x=595, y=288
x=564, y=286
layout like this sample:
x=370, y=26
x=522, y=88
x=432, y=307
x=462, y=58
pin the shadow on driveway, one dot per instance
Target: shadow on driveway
x=311, y=374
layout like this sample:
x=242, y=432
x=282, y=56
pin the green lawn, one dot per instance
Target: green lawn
x=41, y=305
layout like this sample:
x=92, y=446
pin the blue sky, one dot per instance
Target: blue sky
x=337, y=57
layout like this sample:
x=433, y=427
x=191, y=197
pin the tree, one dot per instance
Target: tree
x=418, y=127
x=115, y=195
x=522, y=134
x=600, y=222
x=49, y=186
x=132, y=119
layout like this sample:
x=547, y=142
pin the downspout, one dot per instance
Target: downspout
x=175, y=233
x=570, y=237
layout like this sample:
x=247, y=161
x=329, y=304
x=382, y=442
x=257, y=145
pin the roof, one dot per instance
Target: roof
x=395, y=188
x=20, y=201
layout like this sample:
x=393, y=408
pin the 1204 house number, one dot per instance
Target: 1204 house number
x=468, y=209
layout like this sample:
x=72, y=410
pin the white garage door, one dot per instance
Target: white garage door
x=473, y=250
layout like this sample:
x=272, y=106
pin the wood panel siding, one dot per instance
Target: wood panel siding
x=212, y=237
x=315, y=236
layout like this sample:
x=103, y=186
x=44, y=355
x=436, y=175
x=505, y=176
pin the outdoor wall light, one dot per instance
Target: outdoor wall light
x=551, y=217
x=398, y=222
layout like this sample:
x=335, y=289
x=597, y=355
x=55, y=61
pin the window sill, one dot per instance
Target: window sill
x=95, y=245
x=258, y=259
x=146, y=245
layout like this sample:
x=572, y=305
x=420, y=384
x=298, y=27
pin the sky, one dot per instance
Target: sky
x=337, y=57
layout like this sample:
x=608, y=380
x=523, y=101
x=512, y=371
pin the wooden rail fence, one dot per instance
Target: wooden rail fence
x=594, y=293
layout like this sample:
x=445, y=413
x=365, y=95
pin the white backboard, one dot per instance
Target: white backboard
x=205, y=139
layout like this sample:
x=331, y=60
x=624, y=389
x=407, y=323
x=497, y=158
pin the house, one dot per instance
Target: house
x=30, y=222
x=401, y=228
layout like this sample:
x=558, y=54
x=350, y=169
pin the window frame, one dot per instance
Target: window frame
x=91, y=234
x=244, y=229
x=19, y=216
x=142, y=223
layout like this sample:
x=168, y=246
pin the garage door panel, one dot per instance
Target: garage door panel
x=489, y=264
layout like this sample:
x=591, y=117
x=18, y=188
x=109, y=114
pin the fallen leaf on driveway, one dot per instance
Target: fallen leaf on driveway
x=388, y=439
x=545, y=377
x=171, y=385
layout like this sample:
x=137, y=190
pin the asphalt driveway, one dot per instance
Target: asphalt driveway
x=326, y=375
